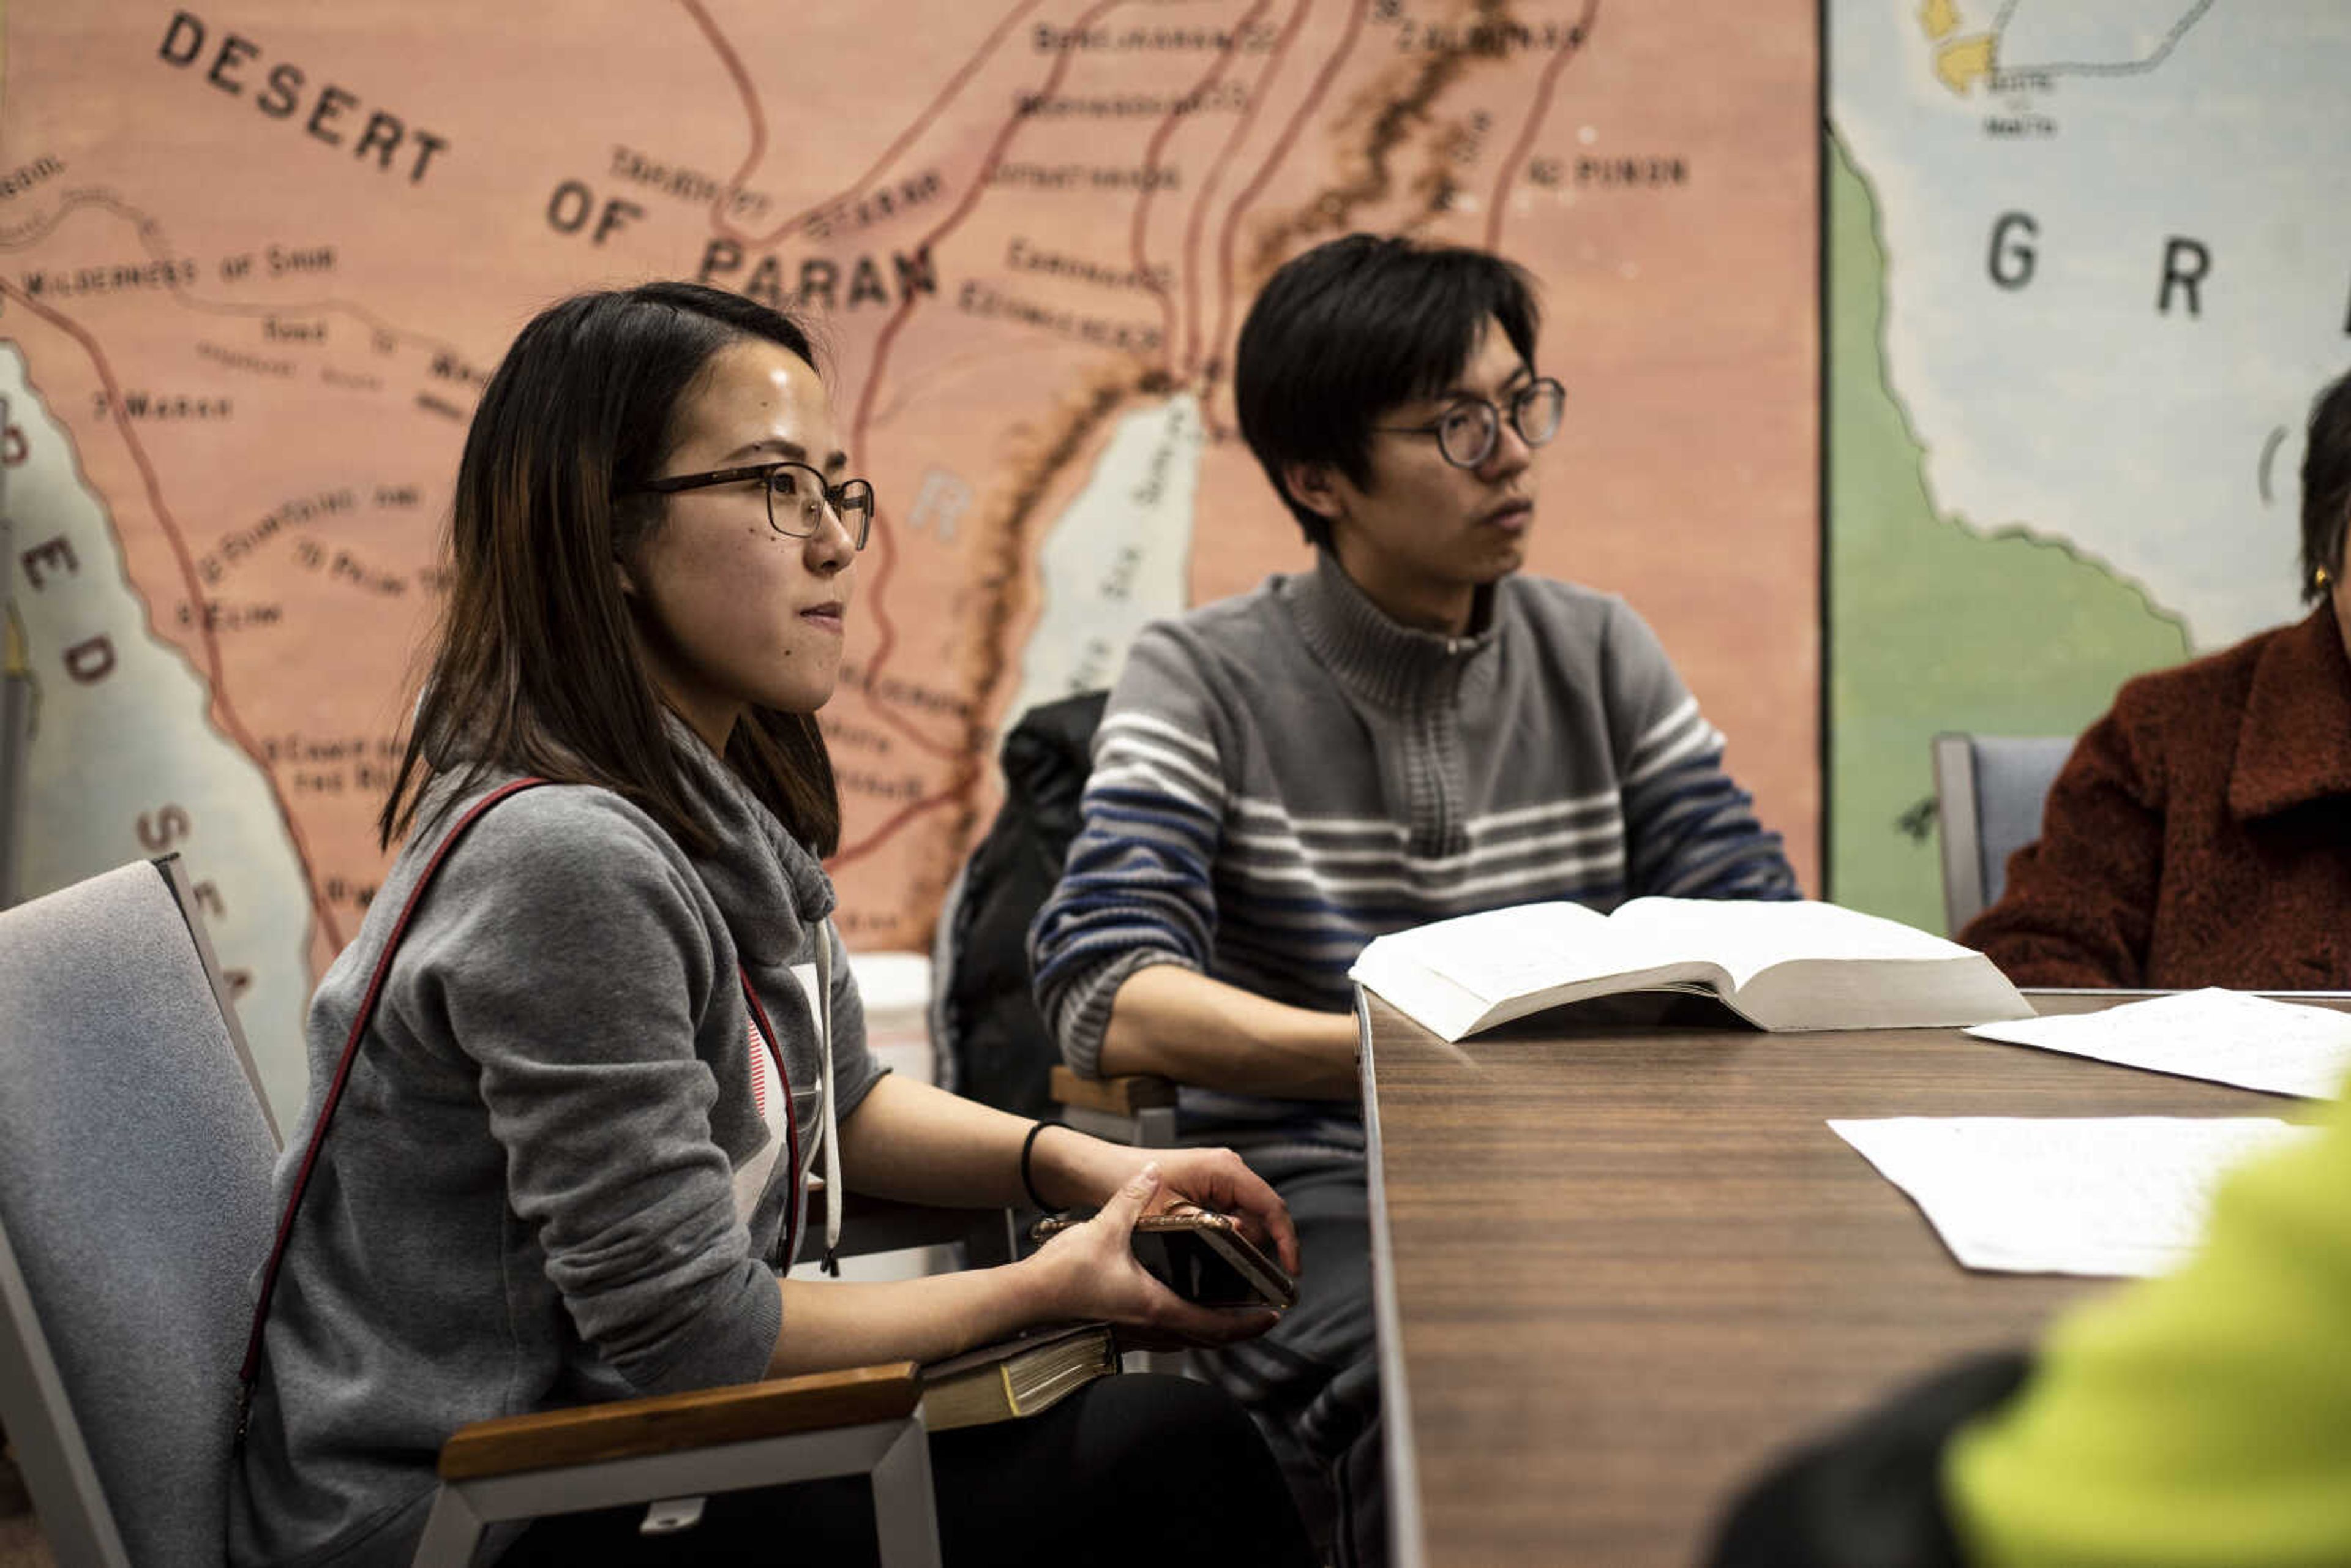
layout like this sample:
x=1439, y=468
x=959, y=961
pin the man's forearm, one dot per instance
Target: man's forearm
x=1168, y=1020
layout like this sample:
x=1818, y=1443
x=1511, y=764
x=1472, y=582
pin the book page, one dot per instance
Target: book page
x=1504, y=952
x=1749, y=936
x=2121, y=1195
x=2228, y=1037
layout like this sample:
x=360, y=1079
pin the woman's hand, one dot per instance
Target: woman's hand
x=1088, y=1271
x=1077, y=1170
x=1216, y=1179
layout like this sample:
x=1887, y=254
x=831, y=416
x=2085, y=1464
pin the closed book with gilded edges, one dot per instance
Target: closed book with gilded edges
x=1018, y=1376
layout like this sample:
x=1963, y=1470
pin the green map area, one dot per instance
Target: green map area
x=1934, y=626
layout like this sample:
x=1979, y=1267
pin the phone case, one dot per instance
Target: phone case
x=1192, y=1251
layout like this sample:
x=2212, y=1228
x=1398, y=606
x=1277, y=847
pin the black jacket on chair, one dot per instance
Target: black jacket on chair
x=985, y=1018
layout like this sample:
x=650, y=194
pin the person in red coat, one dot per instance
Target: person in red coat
x=2201, y=832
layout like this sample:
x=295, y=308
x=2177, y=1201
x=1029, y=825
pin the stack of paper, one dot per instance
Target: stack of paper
x=2121, y=1194
x=2229, y=1037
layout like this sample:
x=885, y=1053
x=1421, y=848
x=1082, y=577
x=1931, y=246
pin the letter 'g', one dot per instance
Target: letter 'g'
x=2011, y=260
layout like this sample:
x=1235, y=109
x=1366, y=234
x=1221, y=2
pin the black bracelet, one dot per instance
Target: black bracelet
x=1028, y=1148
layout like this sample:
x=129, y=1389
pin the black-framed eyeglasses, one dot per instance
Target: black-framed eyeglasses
x=796, y=498
x=1468, y=431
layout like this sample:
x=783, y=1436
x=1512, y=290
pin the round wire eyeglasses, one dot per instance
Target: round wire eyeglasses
x=1467, y=432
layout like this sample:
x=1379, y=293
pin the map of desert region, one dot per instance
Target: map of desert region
x=257, y=261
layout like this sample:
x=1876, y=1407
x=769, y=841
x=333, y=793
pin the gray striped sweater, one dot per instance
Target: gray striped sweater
x=1283, y=776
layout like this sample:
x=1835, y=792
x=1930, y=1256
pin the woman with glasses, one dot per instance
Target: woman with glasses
x=578, y=1092
x=1408, y=729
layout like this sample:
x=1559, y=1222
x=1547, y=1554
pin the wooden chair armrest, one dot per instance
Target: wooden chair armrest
x=631, y=1429
x=1112, y=1096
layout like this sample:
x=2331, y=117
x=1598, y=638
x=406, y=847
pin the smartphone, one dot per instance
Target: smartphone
x=1203, y=1258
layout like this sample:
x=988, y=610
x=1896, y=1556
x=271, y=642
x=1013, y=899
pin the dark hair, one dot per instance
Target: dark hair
x=534, y=667
x=1347, y=330
x=2326, y=486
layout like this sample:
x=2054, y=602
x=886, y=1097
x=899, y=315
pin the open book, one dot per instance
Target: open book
x=1020, y=1377
x=1778, y=965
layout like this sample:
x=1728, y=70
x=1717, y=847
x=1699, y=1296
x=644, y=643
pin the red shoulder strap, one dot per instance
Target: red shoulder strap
x=791, y=1115
x=251, y=1367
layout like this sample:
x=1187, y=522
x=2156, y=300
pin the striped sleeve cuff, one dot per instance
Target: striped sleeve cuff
x=1081, y=1008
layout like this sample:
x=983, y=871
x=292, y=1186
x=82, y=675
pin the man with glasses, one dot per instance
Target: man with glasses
x=1409, y=731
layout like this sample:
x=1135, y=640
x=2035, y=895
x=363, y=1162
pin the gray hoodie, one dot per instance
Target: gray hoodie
x=555, y=1175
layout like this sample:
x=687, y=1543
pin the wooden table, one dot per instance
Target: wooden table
x=1618, y=1269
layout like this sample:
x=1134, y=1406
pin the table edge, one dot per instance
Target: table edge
x=1407, y=1529
x=1407, y=1537
x=2136, y=992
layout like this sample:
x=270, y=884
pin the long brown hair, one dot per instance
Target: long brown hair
x=533, y=668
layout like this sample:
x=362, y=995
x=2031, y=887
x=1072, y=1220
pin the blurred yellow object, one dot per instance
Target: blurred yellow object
x=2201, y=1419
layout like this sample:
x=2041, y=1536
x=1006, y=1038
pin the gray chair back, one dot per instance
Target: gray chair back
x=1989, y=790
x=134, y=1210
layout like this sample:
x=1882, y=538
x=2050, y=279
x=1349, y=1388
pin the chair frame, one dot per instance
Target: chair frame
x=1137, y=1109
x=1970, y=883
x=985, y=1236
x=1956, y=810
x=183, y=893
x=46, y=1435
x=865, y=1420
x=16, y=716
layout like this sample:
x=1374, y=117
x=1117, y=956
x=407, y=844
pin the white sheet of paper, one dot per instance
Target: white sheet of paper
x=2107, y=1196
x=2229, y=1037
